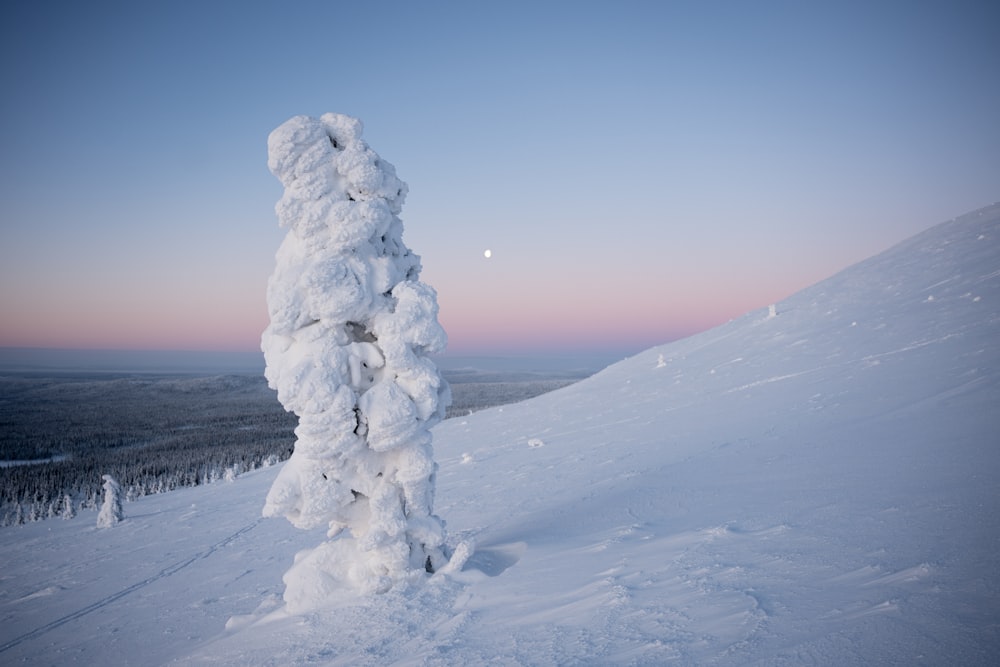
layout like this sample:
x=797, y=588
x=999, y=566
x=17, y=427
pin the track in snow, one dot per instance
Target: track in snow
x=104, y=602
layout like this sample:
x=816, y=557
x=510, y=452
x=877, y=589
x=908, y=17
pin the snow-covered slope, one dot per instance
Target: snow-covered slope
x=812, y=487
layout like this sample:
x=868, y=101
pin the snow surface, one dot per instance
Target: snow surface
x=816, y=487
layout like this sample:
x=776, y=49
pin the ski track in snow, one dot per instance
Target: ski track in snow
x=104, y=602
x=844, y=364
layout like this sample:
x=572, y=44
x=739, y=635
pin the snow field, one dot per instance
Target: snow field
x=812, y=487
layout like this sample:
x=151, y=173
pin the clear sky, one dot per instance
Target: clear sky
x=639, y=170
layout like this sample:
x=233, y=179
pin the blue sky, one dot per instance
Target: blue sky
x=640, y=170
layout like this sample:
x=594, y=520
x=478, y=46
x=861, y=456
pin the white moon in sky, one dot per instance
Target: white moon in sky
x=487, y=253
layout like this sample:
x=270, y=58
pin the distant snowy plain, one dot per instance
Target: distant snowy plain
x=812, y=485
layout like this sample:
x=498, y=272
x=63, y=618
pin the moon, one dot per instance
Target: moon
x=487, y=253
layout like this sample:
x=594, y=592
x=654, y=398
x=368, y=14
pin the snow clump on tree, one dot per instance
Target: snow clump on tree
x=112, y=511
x=346, y=349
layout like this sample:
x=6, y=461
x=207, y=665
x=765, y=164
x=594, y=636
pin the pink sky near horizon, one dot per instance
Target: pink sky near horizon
x=486, y=305
x=495, y=321
x=641, y=170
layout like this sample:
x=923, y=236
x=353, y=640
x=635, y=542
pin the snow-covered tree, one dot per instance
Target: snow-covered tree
x=350, y=329
x=68, y=511
x=112, y=511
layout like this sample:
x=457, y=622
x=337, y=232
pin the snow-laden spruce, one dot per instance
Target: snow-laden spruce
x=346, y=349
x=112, y=512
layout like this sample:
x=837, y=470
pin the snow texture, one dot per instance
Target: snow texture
x=346, y=349
x=826, y=496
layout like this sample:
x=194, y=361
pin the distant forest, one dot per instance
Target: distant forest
x=155, y=433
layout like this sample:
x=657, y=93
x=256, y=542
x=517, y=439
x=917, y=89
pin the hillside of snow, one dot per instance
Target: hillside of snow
x=812, y=485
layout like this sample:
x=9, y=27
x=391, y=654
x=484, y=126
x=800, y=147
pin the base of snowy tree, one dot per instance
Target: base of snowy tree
x=340, y=567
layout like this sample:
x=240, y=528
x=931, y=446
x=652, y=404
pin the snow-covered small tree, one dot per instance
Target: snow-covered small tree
x=112, y=511
x=68, y=511
x=351, y=328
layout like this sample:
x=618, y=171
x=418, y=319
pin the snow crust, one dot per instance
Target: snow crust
x=350, y=329
x=812, y=488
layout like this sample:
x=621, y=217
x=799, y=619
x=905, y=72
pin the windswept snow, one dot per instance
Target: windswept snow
x=810, y=485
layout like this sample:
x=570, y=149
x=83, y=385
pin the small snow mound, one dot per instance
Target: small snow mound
x=459, y=557
x=535, y=442
x=45, y=592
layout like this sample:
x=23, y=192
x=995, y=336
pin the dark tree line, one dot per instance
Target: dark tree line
x=153, y=434
x=468, y=397
x=156, y=433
